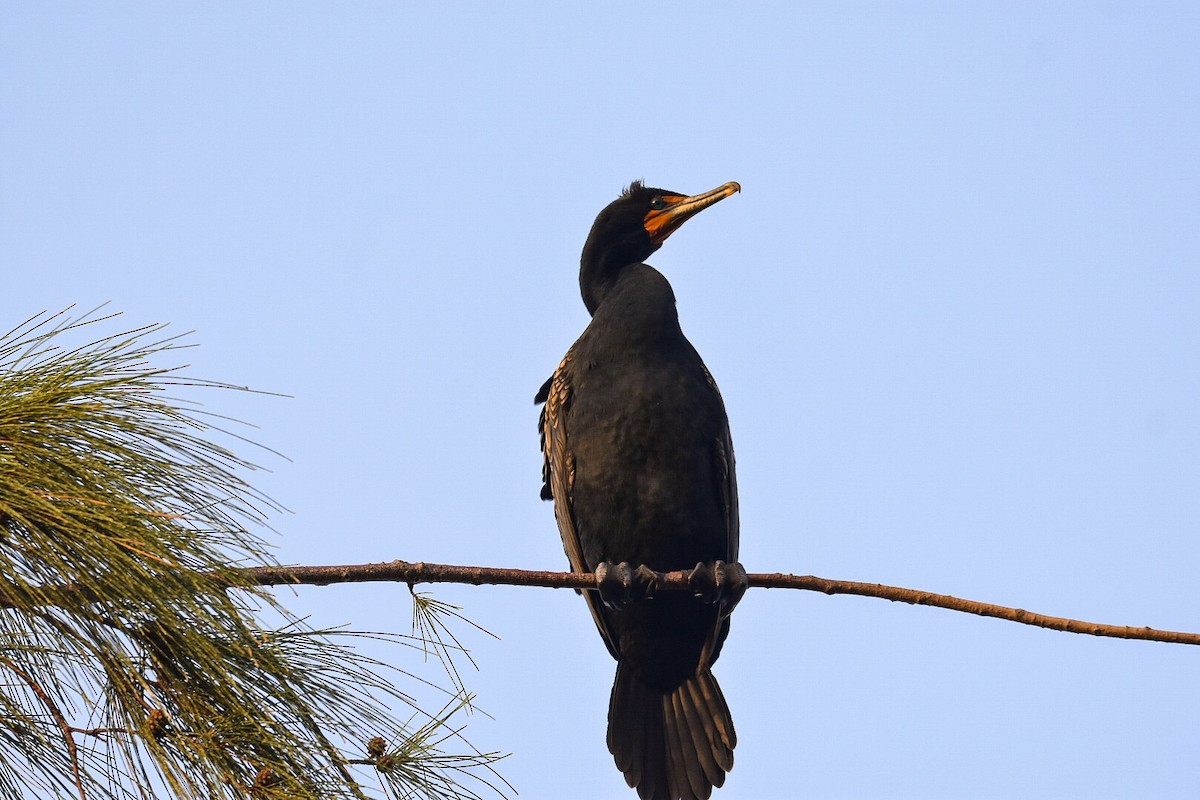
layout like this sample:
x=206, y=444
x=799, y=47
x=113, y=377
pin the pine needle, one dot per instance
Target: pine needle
x=132, y=659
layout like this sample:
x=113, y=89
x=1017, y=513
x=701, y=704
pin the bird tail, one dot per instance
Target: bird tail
x=674, y=746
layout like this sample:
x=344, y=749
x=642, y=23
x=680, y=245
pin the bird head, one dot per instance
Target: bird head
x=632, y=227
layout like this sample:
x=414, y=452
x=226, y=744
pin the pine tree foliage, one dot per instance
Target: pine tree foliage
x=134, y=660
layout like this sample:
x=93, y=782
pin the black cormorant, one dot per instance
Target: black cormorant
x=639, y=463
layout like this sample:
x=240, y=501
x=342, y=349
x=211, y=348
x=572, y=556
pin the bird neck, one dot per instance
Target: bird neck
x=600, y=267
x=637, y=311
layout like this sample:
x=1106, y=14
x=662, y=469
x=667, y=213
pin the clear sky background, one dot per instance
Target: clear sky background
x=954, y=315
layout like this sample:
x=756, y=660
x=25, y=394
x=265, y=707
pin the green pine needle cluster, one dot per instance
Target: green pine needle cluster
x=132, y=660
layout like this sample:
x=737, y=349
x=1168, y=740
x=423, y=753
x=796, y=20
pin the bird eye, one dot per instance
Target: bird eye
x=658, y=204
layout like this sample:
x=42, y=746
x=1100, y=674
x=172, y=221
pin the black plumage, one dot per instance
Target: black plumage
x=639, y=463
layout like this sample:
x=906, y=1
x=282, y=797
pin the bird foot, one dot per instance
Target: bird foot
x=619, y=584
x=719, y=582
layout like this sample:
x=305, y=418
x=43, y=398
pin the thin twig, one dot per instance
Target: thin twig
x=338, y=762
x=100, y=731
x=59, y=717
x=420, y=572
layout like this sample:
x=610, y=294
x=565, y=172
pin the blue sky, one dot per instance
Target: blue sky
x=953, y=315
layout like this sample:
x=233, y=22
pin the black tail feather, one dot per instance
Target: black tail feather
x=674, y=746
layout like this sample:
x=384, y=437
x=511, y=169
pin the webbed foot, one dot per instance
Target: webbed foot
x=719, y=582
x=620, y=584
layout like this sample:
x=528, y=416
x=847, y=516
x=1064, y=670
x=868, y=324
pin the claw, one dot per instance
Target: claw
x=619, y=584
x=645, y=582
x=703, y=582
x=720, y=582
x=614, y=582
x=732, y=583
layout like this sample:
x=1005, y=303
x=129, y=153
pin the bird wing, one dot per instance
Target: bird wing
x=726, y=488
x=558, y=474
x=726, y=479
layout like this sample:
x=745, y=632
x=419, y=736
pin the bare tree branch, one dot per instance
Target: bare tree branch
x=413, y=573
x=420, y=572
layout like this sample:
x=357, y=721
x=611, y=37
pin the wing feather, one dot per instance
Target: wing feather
x=726, y=478
x=558, y=473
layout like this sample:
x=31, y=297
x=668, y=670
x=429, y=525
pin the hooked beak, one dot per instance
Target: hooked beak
x=661, y=223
